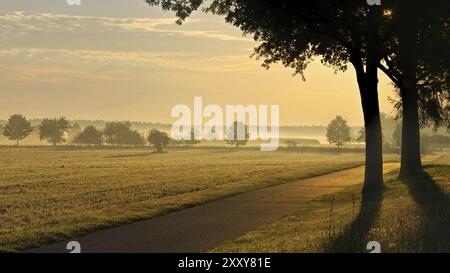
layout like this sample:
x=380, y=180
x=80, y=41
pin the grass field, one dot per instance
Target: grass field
x=50, y=194
x=411, y=216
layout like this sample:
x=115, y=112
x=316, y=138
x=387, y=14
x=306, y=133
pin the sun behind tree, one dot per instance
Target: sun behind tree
x=338, y=132
x=17, y=128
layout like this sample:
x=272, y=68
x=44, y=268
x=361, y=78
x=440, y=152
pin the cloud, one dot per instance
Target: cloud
x=152, y=60
x=22, y=23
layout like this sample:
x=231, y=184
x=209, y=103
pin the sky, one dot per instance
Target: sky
x=125, y=60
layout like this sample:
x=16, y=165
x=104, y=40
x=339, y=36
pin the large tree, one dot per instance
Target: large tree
x=17, y=128
x=417, y=59
x=293, y=32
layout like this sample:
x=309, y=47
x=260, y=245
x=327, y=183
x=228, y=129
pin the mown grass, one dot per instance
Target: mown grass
x=50, y=194
x=410, y=216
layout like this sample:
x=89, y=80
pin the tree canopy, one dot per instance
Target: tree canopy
x=115, y=132
x=120, y=133
x=338, y=132
x=17, y=128
x=158, y=139
x=54, y=130
x=429, y=26
x=89, y=135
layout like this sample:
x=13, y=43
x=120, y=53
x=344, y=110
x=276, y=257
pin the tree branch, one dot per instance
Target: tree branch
x=389, y=73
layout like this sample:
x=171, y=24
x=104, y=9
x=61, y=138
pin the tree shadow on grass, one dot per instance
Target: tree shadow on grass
x=353, y=238
x=433, y=234
x=223, y=151
x=137, y=155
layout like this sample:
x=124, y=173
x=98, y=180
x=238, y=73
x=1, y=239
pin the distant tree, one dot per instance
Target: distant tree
x=338, y=132
x=291, y=143
x=17, y=128
x=120, y=133
x=1, y=129
x=112, y=129
x=424, y=143
x=440, y=140
x=132, y=138
x=361, y=137
x=90, y=135
x=75, y=129
x=237, y=134
x=397, y=135
x=53, y=130
x=191, y=140
x=158, y=139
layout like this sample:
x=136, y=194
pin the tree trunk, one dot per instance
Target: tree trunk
x=373, y=176
x=368, y=87
x=17, y=142
x=411, y=163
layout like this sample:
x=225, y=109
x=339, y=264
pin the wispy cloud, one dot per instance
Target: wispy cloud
x=22, y=23
x=156, y=60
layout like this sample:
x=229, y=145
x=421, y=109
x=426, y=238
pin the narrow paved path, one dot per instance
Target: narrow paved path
x=203, y=227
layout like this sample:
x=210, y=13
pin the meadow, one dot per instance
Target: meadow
x=411, y=216
x=53, y=193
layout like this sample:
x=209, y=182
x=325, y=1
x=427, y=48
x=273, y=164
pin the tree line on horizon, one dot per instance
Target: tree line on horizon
x=119, y=133
x=114, y=133
x=56, y=130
